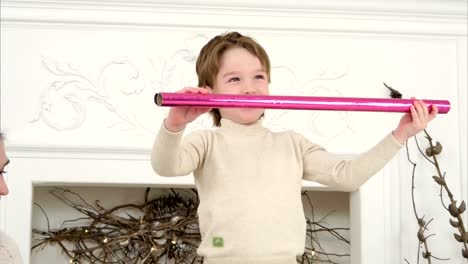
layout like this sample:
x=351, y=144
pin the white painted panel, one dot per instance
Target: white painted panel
x=94, y=88
x=77, y=81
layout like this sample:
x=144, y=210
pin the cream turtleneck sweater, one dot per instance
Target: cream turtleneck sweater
x=9, y=253
x=249, y=182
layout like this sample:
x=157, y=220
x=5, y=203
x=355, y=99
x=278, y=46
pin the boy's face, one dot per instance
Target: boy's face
x=3, y=163
x=241, y=72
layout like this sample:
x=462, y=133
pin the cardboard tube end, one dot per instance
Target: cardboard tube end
x=158, y=99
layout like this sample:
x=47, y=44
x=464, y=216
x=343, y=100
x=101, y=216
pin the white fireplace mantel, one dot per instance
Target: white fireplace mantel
x=78, y=78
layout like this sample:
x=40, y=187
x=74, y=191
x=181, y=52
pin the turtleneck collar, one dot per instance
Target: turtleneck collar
x=255, y=128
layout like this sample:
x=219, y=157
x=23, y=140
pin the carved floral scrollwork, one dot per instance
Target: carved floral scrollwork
x=64, y=104
x=319, y=83
x=123, y=89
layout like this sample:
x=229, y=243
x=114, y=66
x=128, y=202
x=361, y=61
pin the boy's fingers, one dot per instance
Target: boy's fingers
x=434, y=112
x=189, y=90
x=425, y=110
x=195, y=90
x=414, y=109
x=206, y=110
x=419, y=110
x=422, y=111
x=416, y=116
x=204, y=90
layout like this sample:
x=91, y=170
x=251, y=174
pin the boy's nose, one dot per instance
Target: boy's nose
x=3, y=186
x=249, y=89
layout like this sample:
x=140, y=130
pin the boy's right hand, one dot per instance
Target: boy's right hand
x=180, y=116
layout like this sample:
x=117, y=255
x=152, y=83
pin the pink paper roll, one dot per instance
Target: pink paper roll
x=294, y=102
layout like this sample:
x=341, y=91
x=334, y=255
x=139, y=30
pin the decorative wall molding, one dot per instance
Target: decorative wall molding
x=428, y=7
x=427, y=17
x=462, y=52
x=63, y=104
x=420, y=45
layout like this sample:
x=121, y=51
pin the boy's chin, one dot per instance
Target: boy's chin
x=249, y=119
x=244, y=115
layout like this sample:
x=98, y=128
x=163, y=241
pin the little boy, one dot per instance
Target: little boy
x=248, y=177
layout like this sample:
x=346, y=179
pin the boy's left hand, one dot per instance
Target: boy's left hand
x=414, y=122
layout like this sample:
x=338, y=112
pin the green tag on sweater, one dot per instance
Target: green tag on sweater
x=218, y=242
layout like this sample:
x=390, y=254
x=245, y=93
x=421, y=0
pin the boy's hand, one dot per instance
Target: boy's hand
x=180, y=116
x=414, y=122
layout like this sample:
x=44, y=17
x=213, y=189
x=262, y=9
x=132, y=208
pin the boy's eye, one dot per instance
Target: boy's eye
x=234, y=79
x=259, y=76
x=2, y=172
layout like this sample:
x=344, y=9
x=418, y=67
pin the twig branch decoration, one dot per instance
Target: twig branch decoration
x=430, y=155
x=164, y=228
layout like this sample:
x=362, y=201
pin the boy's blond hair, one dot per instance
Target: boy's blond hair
x=209, y=59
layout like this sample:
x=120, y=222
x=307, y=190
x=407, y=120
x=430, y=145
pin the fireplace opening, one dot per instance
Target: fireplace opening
x=327, y=214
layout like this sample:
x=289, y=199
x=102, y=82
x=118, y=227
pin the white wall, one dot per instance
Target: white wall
x=78, y=78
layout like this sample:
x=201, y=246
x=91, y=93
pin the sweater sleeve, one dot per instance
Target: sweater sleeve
x=173, y=155
x=9, y=252
x=347, y=175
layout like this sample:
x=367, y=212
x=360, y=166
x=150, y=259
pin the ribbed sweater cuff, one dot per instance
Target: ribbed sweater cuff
x=390, y=145
x=252, y=260
x=169, y=138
